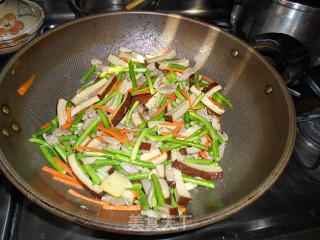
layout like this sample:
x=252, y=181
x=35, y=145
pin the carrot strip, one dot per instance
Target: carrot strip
x=122, y=208
x=207, y=137
x=179, y=135
x=68, y=111
x=208, y=140
x=26, y=85
x=110, y=121
x=122, y=130
x=216, y=103
x=136, y=194
x=99, y=138
x=117, y=136
x=87, y=198
x=209, y=80
x=116, y=86
x=87, y=142
x=85, y=148
x=183, y=208
x=177, y=129
x=177, y=126
x=195, y=108
x=175, y=69
x=51, y=171
x=135, y=134
x=68, y=181
x=203, y=154
x=45, y=125
x=164, y=51
x=171, y=97
x=161, y=109
x=164, y=133
x=56, y=175
x=186, y=96
x=109, y=110
x=171, y=123
x=66, y=125
x=63, y=165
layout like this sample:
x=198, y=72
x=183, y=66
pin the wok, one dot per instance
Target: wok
x=261, y=126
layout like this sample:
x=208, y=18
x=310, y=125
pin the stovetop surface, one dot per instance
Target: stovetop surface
x=289, y=210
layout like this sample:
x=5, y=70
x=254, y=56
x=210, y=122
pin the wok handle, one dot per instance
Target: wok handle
x=288, y=55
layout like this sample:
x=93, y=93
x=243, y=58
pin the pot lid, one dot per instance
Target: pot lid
x=19, y=19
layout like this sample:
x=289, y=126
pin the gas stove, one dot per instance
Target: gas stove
x=289, y=210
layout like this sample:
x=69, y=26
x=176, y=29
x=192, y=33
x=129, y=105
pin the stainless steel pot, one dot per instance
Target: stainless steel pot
x=297, y=18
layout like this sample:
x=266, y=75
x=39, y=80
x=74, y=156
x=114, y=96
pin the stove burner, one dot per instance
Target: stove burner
x=308, y=144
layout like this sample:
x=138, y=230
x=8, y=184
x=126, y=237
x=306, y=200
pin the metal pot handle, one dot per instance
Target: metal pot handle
x=288, y=55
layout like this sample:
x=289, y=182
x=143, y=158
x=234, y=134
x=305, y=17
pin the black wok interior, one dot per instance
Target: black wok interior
x=261, y=126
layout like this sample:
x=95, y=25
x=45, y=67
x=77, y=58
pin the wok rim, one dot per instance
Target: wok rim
x=234, y=208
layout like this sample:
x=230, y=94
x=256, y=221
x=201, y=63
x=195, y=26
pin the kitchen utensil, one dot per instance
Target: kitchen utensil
x=297, y=18
x=261, y=126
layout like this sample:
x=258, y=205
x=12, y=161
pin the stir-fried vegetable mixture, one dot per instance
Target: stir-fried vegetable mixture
x=139, y=136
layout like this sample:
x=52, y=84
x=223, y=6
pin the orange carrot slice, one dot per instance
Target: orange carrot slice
x=109, y=110
x=117, y=136
x=99, y=138
x=216, y=103
x=69, y=181
x=116, y=86
x=56, y=175
x=195, y=108
x=203, y=154
x=66, y=125
x=164, y=51
x=208, y=140
x=26, y=85
x=68, y=113
x=160, y=109
x=172, y=123
x=183, y=208
x=209, y=80
x=51, y=171
x=63, y=165
x=123, y=208
x=179, y=135
x=171, y=97
x=45, y=125
x=175, y=69
x=87, y=198
x=186, y=96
